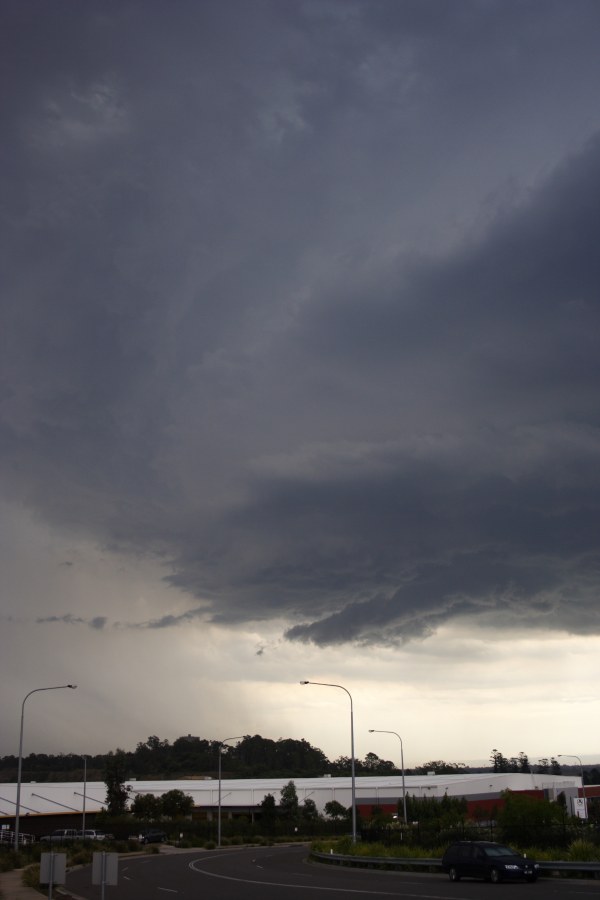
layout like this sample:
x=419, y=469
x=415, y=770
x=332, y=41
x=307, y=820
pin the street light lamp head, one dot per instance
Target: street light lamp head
x=371, y=730
x=72, y=686
x=305, y=682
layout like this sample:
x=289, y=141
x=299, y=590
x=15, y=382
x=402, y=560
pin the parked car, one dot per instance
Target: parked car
x=488, y=860
x=60, y=836
x=152, y=836
x=92, y=834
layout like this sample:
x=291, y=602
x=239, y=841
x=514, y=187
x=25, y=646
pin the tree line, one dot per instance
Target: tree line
x=252, y=757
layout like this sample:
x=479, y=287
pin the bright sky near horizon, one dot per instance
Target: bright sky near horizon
x=300, y=324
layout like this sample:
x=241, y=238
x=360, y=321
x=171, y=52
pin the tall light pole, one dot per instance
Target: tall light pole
x=57, y=687
x=221, y=743
x=379, y=731
x=352, y=765
x=572, y=756
x=84, y=758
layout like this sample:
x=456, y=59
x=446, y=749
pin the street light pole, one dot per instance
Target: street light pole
x=379, y=731
x=221, y=743
x=57, y=687
x=84, y=758
x=572, y=756
x=352, y=765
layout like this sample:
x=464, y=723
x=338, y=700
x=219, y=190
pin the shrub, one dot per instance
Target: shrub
x=9, y=860
x=31, y=876
x=583, y=851
x=343, y=845
x=26, y=855
x=369, y=850
x=127, y=846
x=187, y=842
x=80, y=857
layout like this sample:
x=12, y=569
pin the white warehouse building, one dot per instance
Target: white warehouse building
x=41, y=800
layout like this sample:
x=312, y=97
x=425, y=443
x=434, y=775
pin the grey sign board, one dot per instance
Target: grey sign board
x=105, y=868
x=53, y=868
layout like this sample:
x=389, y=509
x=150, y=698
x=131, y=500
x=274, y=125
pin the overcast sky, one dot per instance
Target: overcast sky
x=300, y=373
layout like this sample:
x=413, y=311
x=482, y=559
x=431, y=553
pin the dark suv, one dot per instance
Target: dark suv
x=487, y=860
x=153, y=836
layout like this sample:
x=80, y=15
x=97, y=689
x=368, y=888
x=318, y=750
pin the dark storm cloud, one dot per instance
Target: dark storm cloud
x=496, y=511
x=494, y=516
x=98, y=623
x=170, y=620
x=269, y=318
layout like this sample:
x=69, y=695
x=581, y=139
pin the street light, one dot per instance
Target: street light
x=57, y=687
x=379, y=731
x=572, y=756
x=84, y=758
x=221, y=743
x=342, y=688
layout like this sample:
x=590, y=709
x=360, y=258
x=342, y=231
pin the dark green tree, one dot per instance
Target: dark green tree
x=440, y=767
x=593, y=810
x=152, y=757
x=373, y=765
x=191, y=755
x=499, y=762
x=335, y=810
x=256, y=755
x=147, y=807
x=522, y=818
x=293, y=756
x=115, y=773
x=445, y=811
x=268, y=812
x=309, y=811
x=288, y=804
x=341, y=766
x=555, y=767
x=176, y=805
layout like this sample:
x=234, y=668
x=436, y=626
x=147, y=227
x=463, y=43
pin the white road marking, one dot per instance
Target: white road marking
x=316, y=887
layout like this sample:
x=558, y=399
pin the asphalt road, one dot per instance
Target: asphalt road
x=284, y=873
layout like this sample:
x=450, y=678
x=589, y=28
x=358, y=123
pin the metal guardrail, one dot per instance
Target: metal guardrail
x=402, y=862
x=376, y=862
x=565, y=866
